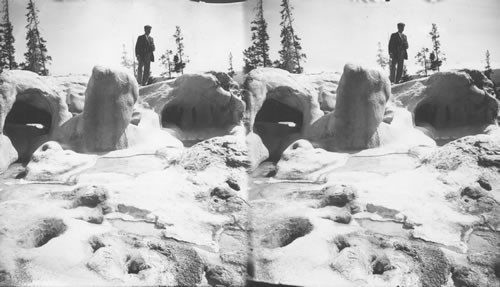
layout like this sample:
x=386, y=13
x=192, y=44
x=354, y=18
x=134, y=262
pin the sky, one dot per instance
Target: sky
x=84, y=33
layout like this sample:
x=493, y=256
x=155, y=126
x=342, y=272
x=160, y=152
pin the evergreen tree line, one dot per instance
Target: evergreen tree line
x=257, y=55
x=36, y=57
x=173, y=63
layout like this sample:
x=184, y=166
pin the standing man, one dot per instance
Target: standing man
x=398, y=44
x=144, y=48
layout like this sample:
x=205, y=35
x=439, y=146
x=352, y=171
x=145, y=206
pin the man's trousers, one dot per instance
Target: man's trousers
x=143, y=70
x=396, y=72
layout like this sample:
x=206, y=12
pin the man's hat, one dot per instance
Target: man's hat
x=401, y=24
x=147, y=27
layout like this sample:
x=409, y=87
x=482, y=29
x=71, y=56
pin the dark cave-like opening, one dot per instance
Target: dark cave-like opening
x=204, y=115
x=192, y=123
x=188, y=117
x=172, y=115
x=25, y=125
x=446, y=115
x=273, y=111
x=25, y=114
x=425, y=114
x=276, y=123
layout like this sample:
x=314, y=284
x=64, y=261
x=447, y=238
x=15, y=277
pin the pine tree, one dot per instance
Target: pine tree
x=230, y=71
x=291, y=54
x=382, y=60
x=167, y=62
x=436, y=57
x=251, y=59
x=179, y=59
x=422, y=60
x=7, y=51
x=257, y=55
x=487, y=68
x=36, y=56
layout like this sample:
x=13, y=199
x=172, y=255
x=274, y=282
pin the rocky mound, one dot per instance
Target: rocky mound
x=360, y=107
x=177, y=217
x=286, y=97
x=282, y=108
x=468, y=152
x=31, y=110
x=449, y=105
x=194, y=107
x=104, y=125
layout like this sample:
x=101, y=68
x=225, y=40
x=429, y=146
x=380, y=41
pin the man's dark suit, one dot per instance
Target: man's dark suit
x=398, y=44
x=144, y=49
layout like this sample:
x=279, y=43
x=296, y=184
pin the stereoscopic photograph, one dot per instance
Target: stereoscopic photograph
x=250, y=143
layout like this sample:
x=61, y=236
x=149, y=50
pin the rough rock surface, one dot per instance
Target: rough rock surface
x=326, y=85
x=51, y=163
x=176, y=217
x=195, y=107
x=31, y=110
x=109, y=101
x=468, y=152
x=379, y=217
x=73, y=86
x=301, y=158
x=450, y=104
x=226, y=82
x=216, y=152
